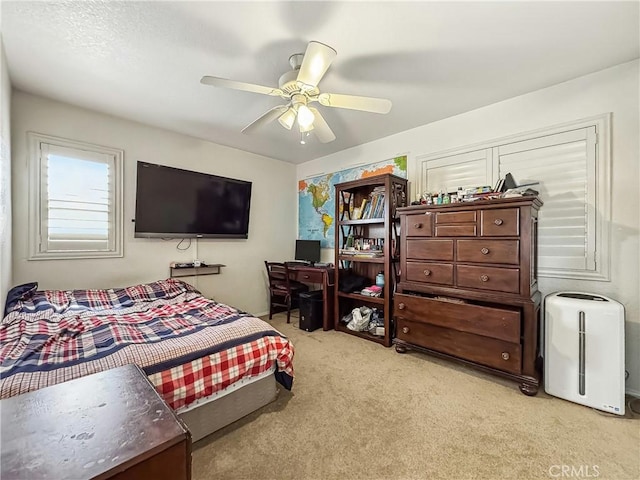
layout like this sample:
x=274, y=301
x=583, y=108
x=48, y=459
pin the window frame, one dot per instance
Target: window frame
x=36, y=200
x=602, y=194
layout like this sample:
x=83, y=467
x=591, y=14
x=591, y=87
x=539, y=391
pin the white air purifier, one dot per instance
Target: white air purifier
x=584, y=350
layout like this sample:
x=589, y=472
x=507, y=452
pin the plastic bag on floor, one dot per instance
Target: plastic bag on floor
x=360, y=319
x=375, y=323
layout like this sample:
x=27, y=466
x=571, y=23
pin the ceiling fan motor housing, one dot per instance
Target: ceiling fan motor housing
x=287, y=82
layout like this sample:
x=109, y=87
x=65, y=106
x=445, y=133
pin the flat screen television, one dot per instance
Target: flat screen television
x=308, y=250
x=176, y=203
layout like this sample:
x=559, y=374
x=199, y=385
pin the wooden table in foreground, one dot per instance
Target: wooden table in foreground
x=109, y=425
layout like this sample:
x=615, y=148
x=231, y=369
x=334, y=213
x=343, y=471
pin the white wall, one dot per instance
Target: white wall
x=242, y=282
x=5, y=180
x=613, y=90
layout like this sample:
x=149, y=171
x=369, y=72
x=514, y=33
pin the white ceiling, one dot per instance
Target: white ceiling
x=144, y=60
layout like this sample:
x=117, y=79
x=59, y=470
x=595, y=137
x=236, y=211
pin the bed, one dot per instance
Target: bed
x=211, y=362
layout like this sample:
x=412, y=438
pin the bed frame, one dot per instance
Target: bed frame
x=221, y=411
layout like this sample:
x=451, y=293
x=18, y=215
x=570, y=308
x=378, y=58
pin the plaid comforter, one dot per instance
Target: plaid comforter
x=189, y=346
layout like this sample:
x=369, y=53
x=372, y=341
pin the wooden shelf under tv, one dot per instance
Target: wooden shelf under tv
x=208, y=269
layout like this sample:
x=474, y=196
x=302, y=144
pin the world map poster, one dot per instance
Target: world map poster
x=317, y=203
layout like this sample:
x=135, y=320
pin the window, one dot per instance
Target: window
x=76, y=199
x=564, y=166
x=464, y=170
x=572, y=165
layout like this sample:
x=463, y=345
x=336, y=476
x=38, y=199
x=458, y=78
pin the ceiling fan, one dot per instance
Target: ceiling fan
x=299, y=87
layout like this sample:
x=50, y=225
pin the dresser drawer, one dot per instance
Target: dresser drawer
x=488, y=251
x=419, y=225
x=430, y=249
x=499, y=222
x=456, y=230
x=495, y=353
x=500, y=323
x=426, y=272
x=455, y=217
x=488, y=278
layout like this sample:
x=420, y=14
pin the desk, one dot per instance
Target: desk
x=323, y=276
x=109, y=425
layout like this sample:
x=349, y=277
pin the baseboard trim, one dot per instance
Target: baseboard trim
x=633, y=393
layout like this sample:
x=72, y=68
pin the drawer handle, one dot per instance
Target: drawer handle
x=427, y=273
x=484, y=251
x=417, y=225
x=306, y=276
x=484, y=278
x=505, y=355
x=405, y=329
x=401, y=306
x=498, y=221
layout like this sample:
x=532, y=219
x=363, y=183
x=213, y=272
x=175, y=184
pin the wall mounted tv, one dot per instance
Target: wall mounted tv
x=175, y=203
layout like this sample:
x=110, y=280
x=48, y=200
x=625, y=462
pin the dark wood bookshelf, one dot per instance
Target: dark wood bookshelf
x=387, y=193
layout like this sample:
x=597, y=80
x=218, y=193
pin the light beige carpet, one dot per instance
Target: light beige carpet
x=359, y=410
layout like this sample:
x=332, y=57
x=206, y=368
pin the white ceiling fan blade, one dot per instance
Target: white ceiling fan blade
x=353, y=102
x=269, y=116
x=247, y=87
x=321, y=128
x=315, y=63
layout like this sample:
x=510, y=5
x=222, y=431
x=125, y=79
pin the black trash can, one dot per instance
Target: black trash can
x=311, y=309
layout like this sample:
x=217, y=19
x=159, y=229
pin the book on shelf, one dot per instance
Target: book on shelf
x=373, y=206
x=367, y=208
x=361, y=210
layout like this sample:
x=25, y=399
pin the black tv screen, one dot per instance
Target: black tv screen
x=176, y=203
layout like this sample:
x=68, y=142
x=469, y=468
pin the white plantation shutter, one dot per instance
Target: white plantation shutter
x=78, y=200
x=464, y=170
x=564, y=166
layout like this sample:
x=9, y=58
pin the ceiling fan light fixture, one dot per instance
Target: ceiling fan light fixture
x=305, y=118
x=287, y=118
x=305, y=129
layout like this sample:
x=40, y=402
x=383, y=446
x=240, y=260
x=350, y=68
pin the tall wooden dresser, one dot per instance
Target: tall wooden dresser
x=468, y=287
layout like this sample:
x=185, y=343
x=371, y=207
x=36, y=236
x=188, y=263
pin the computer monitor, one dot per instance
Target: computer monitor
x=308, y=250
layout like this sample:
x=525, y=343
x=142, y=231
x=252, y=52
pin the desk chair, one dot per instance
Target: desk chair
x=282, y=290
